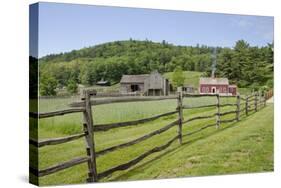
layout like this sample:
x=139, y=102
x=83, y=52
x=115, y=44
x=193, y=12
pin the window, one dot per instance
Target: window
x=134, y=88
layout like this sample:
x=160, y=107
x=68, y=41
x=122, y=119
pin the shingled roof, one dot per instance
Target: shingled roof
x=214, y=81
x=134, y=78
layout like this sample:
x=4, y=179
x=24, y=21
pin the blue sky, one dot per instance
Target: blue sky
x=64, y=27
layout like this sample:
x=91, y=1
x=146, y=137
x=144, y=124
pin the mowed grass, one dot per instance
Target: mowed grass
x=173, y=162
x=191, y=77
x=243, y=147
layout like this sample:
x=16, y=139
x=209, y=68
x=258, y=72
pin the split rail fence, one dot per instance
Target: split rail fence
x=243, y=104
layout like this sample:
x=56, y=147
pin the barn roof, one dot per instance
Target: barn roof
x=134, y=78
x=214, y=81
x=102, y=82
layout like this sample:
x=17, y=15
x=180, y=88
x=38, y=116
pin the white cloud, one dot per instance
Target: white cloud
x=260, y=26
x=241, y=22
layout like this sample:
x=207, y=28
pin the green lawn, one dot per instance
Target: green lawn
x=191, y=77
x=242, y=147
x=232, y=149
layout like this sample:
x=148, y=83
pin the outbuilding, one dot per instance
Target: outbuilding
x=212, y=85
x=188, y=89
x=153, y=84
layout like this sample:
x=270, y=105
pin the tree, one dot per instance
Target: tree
x=178, y=77
x=242, y=62
x=244, y=65
x=47, y=85
x=72, y=86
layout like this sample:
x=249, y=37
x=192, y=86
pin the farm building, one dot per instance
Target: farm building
x=188, y=89
x=216, y=85
x=153, y=84
x=103, y=82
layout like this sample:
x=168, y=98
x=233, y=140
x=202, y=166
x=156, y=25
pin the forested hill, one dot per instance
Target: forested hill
x=244, y=65
x=132, y=48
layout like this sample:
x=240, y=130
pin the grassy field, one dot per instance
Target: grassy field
x=208, y=152
x=191, y=77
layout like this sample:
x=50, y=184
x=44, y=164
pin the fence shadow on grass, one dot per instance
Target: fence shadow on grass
x=137, y=169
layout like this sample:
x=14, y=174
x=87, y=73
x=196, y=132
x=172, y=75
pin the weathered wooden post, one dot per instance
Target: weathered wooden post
x=264, y=101
x=180, y=118
x=256, y=102
x=89, y=138
x=238, y=107
x=259, y=100
x=246, y=105
x=218, y=112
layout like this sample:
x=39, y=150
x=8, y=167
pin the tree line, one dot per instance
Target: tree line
x=244, y=65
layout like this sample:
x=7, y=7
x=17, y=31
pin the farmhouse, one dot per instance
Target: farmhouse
x=153, y=84
x=216, y=85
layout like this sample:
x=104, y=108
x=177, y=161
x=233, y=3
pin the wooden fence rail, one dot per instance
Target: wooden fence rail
x=55, y=141
x=199, y=117
x=140, y=139
x=204, y=106
x=136, y=160
x=122, y=100
x=108, y=126
x=56, y=113
x=228, y=112
x=62, y=166
x=252, y=102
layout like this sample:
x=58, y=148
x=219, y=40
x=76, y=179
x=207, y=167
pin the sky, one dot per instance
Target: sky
x=65, y=27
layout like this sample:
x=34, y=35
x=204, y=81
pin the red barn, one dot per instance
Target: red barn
x=216, y=85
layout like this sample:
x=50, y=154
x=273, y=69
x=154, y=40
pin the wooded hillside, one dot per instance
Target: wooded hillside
x=244, y=65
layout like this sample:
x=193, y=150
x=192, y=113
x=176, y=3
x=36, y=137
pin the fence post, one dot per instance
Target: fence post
x=259, y=100
x=218, y=111
x=264, y=100
x=246, y=105
x=89, y=138
x=256, y=102
x=238, y=107
x=180, y=113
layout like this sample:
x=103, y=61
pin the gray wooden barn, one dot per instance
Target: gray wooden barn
x=153, y=84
